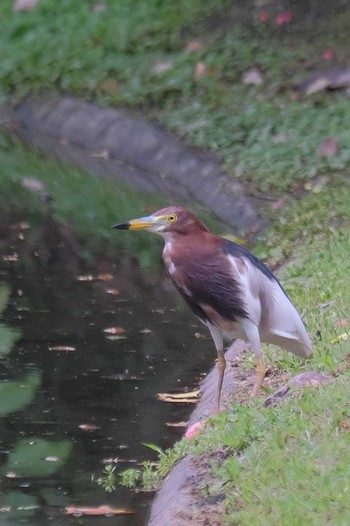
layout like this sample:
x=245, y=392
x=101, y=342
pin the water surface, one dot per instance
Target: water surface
x=77, y=397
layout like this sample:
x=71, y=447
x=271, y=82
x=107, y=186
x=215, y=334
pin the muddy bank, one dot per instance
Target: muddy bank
x=112, y=142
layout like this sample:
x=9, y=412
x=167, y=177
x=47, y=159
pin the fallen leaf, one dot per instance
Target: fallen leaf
x=253, y=76
x=193, y=46
x=77, y=511
x=279, y=204
x=88, y=427
x=342, y=322
x=62, y=348
x=88, y=277
x=33, y=184
x=329, y=148
x=104, y=276
x=52, y=459
x=176, y=424
x=109, y=86
x=280, y=138
x=264, y=16
x=200, y=70
x=10, y=257
x=99, y=277
x=162, y=67
x=328, y=54
x=283, y=18
x=114, y=330
x=99, y=7
x=145, y=331
x=25, y=5
x=180, y=398
x=113, y=292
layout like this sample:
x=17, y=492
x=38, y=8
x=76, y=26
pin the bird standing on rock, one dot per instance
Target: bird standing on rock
x=230, y=290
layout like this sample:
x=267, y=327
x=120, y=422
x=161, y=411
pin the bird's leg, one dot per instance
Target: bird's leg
x=252, y=334
x=216, y=334
x=260, y=375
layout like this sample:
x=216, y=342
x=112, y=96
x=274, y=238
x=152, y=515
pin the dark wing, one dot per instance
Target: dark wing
x=211, y=283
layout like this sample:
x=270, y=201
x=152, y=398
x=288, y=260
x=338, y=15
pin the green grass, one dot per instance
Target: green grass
x=290, y=464
x=111, y=57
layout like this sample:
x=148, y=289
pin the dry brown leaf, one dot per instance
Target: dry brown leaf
x=180, y=398
x=193, y=46
x=109, y=86
x=99, y=277
x=62, y=348
x=88, y=427
x=114, y=330
x=10, y=257
x=52, y=459
x=253, y=76
x=100, y=7
x=162, y=67
x=342, y=322
x=176, y=424
x=104, y=276
x=329, y=148
x=113, y=292
x=77, y=511
x=24, y=5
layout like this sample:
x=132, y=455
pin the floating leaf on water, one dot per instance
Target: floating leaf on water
x=113, y=292
x=88, y=427
x=104, y=276
x=114, y=330
x=52, y=458
x=78, y=511
x=180, y=398
x=145, y=331
x=10, y=257
x=88, y=277
x=62, y=348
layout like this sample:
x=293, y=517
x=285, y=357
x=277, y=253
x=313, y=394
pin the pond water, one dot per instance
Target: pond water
x=85, y=350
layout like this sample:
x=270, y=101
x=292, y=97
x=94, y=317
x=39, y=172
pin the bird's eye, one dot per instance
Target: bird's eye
x=172, y=218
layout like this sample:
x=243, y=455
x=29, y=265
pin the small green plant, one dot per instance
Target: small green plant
x=108, y=480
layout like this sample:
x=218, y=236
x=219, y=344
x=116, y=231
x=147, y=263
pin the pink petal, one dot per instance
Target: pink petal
x=194, y=430
x=328, y=54
x=329, y=148
x=283, y=18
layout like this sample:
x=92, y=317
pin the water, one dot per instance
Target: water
x=78, y=396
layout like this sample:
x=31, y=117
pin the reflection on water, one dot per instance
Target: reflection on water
x=73, y=395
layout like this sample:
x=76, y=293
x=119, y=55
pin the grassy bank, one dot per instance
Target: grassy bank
x=288, y=464
x=185, y=66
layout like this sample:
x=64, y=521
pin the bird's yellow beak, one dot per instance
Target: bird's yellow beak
x=143, y=223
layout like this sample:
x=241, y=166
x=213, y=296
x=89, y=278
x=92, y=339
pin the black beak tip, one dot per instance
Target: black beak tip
x=121, y=226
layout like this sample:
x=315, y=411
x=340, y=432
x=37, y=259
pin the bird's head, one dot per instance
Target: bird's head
x=166, y=221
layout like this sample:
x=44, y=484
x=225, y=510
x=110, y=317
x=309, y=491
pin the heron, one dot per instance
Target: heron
x=228, y=288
